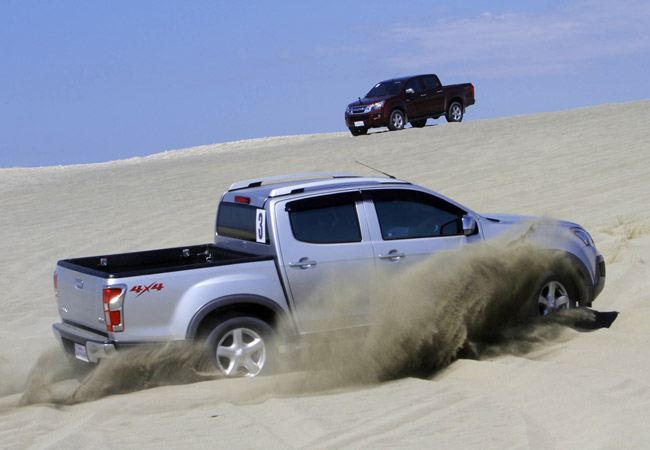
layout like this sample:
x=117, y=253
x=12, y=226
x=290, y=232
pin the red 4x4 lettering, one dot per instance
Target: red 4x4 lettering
x=143, y=289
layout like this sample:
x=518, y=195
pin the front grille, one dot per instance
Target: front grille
x=358, y=109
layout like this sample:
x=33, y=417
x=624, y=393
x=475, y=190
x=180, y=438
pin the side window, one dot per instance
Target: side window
x=430, y=82
x=405, y=214
x=329, y=219
x=415, y=85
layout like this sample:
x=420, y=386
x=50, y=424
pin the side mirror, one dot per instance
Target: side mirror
x=469, y=225
x=409, y=91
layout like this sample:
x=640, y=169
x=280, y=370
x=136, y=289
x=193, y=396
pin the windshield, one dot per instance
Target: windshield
x=385, y=88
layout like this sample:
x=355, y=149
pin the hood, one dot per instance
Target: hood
x=510, y=219
x=369, y=101
x=535, y=228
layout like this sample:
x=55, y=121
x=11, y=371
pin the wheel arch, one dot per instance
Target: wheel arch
x=456, y=99
x=239, y=304
x=401, y=108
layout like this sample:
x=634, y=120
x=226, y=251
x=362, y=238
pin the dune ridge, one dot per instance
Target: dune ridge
x=570, y=389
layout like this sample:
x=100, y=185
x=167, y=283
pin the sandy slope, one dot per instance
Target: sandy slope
x=577, y=389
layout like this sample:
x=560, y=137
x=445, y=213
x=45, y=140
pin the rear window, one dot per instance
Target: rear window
x=236, y=221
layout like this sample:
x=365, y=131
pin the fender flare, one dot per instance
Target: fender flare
x=282, y=316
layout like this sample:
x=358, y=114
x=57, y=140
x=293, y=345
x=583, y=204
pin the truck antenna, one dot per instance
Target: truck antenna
x=376, y=170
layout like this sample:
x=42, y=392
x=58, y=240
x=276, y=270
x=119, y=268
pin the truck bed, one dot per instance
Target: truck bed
x=157, y=261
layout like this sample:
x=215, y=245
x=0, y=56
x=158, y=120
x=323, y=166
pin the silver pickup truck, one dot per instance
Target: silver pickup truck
x=283, y=250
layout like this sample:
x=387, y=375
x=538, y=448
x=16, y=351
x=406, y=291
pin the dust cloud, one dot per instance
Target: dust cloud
x=60, y=379
x=472, y=304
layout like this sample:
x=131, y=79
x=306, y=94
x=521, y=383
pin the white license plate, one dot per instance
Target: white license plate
x=359, y=123
x=80, y=352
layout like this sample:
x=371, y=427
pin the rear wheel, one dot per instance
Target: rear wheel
x=455, y=112
x=397, y=120
x=242, y=347
x=419, y=123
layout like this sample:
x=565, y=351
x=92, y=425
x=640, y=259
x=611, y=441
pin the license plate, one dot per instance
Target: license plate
x=359, y=123
x=80, y=352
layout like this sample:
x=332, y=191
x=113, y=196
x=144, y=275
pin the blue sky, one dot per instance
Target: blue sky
x=91, y=81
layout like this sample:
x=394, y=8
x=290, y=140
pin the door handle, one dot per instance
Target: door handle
x=393, y=255
x=304, y=263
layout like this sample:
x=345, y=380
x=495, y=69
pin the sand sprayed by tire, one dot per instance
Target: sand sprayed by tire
x=472, y=304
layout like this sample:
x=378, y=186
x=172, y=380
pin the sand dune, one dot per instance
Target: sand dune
x=570, y=389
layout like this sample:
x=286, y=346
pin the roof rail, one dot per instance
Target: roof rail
x=293, y=176
x=337, y=182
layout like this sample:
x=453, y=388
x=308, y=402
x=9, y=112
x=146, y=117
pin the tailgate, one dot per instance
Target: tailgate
x=80, y=298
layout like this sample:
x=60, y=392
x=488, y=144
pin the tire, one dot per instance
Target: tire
x=419, y=123
x=455, y=112
x=242, y=347
x=397, y=120
x=554, y=293
x=358, y=131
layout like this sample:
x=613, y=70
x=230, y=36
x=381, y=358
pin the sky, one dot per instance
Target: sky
x=93, y=81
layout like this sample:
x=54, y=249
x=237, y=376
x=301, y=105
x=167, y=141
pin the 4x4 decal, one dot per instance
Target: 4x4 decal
x=140, y=289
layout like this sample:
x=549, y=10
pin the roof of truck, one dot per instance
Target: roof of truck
x=261, y=189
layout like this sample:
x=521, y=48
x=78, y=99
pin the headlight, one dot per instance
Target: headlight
x=584, y=236
x=376, y=106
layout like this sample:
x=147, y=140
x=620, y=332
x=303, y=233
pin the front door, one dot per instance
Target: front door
x=416, y=101
x=407, y=228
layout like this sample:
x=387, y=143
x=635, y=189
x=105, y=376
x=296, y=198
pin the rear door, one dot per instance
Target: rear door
x=327, y=259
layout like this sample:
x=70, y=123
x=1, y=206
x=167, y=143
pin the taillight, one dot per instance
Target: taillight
x=240, y=199
x=113, y=300
x=55, y=279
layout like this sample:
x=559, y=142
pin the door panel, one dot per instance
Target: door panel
x=416, y=102
x=435, y=97
x=327, y=259
x=407, y=227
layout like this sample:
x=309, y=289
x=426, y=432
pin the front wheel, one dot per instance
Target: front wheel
x=242, y=347
x=455, y=112
x=554, y=293
x=397, y=120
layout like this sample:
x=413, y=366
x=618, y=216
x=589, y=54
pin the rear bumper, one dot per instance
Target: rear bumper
x=97, y=346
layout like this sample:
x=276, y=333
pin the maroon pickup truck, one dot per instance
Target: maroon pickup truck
x=414, y=99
